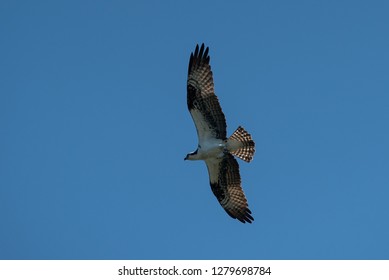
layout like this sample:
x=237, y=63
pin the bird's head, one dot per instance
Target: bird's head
x=191, y=156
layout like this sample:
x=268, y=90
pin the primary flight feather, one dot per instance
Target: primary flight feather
x=214, y=147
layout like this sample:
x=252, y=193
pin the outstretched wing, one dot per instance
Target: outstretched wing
x=226, y=186
x=203, y=104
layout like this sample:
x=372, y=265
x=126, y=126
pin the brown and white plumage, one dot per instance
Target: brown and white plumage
x=214, y=148
x=201, y=97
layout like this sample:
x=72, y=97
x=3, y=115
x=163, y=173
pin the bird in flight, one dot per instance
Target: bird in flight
x=214, y=147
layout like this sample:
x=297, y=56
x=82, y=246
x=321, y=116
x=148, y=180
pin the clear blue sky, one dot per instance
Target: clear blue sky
x=94, y=129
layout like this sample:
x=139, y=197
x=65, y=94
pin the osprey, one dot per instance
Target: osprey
x=214, y=147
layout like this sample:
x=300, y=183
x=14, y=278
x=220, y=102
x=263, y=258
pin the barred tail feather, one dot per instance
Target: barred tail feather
x=241, y=144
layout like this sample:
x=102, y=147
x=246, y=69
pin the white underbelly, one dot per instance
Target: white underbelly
x=212, y=149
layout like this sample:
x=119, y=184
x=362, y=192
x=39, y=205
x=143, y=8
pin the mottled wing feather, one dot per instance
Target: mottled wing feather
x=226, y=186
x=203, y=104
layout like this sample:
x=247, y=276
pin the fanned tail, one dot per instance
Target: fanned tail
x=241, y=144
